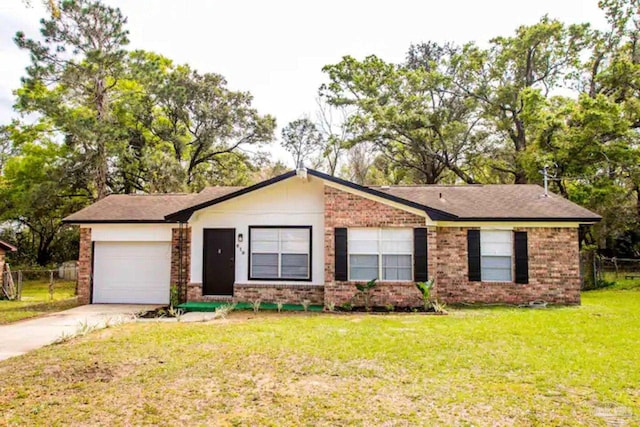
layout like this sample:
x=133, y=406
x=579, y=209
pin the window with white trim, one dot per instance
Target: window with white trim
x=282, y=253
x=496, y=253
x=380, y=253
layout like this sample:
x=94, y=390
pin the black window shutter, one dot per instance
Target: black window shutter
x=420, y=271
x=522, y=257
x=473, y=255
x=340, y=235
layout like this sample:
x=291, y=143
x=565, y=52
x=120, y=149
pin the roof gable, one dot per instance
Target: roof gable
x=184, y=214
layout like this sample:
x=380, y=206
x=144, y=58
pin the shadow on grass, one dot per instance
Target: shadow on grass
x=15, y=313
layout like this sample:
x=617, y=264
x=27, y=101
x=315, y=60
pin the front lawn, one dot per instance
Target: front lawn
x=35, y=300
x=499, y=366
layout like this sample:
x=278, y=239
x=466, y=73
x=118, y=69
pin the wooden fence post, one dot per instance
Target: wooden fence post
x=51, y=285
x=19, y=296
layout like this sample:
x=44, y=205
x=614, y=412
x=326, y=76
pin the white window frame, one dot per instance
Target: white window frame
x=380, y=253
x=496, y=252
x=280, y=253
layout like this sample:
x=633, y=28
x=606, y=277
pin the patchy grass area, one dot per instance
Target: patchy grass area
x=35, y=300
x=500, y=366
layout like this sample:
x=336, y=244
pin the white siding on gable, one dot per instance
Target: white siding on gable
x=289, y=202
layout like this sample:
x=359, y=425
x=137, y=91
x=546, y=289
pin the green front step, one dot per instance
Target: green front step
x=212, y=305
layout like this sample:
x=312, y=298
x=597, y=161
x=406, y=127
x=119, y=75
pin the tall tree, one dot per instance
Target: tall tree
x=302, y=140
x=189, y=122
x=74, y=70
x=37, y=190
x=412, y=113
x=592, y=141
x=513, y=74
x=332, y=123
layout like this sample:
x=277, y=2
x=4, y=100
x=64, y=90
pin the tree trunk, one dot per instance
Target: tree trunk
x=43, y=256
x=101, y=170
x=638, y=202
x=520, y=176
x=101, y=152
x=518, y=136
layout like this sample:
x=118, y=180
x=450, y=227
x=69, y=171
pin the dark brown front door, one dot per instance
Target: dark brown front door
x=219, y=261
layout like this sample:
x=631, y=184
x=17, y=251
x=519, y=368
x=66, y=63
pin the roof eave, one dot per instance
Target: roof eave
x=581, y=220
x=116, y=221
x=8, y=247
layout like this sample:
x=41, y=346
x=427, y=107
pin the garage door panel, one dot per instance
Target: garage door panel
x=132, y=272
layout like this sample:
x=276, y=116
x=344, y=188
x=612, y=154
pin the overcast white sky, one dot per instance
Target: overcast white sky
x=276, y=49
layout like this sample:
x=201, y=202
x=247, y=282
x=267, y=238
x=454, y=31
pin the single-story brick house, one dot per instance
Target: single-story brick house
x=305, y=235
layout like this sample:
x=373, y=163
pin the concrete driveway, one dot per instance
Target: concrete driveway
x=26, y=335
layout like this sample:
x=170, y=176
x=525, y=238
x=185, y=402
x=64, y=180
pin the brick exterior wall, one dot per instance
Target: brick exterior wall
x=272, y=293
x=554, y=269
x=85, y=264
x=344, y=209
x=186, y=260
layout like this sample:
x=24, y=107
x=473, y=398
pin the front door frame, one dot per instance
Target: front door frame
x=204, y=259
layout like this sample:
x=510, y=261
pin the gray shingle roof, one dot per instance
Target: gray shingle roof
x=143, y=207
x=461, y=202
x=493, y=202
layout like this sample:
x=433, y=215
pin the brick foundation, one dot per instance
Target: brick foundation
x=273, y=293
x=398, y=294
x=176, y=265
x=85, y=265
x=194, y=293
x=288, y=294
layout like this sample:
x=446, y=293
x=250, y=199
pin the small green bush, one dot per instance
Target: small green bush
x=174, y=299
x=347, y=306
x=425, y=290
x=365, y=290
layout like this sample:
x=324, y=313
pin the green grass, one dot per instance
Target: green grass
x=621, y=283
x=501, y=366
x=35, y=300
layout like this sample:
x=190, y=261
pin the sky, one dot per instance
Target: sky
x=276, y=49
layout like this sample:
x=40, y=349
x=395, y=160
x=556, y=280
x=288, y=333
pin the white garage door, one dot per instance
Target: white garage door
x=131, y=272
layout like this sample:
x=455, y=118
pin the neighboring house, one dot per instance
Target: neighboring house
x=4, y=248
x=305, y=235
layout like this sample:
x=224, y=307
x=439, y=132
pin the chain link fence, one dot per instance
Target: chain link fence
x=612, y=269
x=40, y=284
